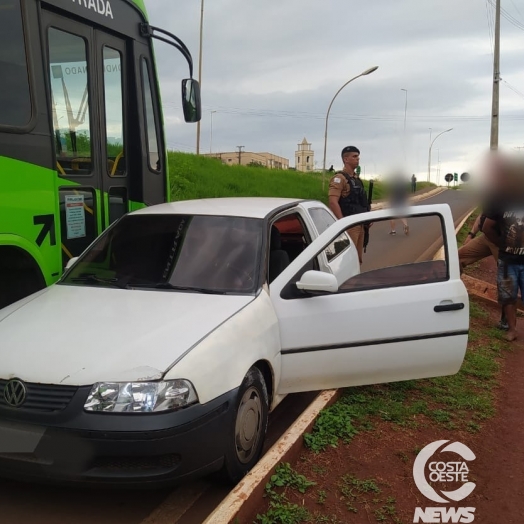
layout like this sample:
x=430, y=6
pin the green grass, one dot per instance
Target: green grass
x=366, y=493
x=281, y=510
x=193, y=176
x=351, y=490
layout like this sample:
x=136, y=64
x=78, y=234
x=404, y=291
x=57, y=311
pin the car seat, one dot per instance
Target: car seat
x=278, y=258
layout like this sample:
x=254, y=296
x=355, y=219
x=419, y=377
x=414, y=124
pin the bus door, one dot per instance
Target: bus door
x=117, y=125
x=85, y=68
x=153, y=179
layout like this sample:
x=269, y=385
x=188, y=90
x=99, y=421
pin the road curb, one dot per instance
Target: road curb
x=243, y=499
x=485, y=291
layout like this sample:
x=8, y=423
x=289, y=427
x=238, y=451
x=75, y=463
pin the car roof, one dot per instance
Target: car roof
x=255, y=207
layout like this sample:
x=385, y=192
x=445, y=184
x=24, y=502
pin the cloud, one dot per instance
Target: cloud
x=271, y=68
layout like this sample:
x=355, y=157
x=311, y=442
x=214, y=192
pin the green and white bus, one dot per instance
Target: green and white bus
x=81, y=130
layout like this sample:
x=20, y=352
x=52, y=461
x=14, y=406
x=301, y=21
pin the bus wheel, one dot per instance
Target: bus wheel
x=19, y=275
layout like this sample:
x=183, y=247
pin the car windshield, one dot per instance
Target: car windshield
x=204, y=254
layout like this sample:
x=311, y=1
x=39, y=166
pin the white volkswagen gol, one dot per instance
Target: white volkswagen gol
x=161, y=351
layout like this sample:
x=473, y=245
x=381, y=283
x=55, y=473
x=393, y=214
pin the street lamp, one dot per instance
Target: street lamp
x=430, y=146
x=366, y=72
x=405, y=118
x=211, y=138
x=200, y=68
x=405, y=111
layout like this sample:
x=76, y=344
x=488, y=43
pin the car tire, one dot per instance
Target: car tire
x=249, y=426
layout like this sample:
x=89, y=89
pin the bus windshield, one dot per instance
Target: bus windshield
x=15, y=99
x=209, y=254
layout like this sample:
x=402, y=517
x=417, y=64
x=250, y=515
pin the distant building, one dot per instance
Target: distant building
x=304, y=157
x=246, y=158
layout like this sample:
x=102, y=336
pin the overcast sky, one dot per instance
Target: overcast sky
x=270, y=69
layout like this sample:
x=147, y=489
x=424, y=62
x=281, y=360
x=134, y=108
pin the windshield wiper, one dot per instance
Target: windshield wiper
x=167, y=285
x=115, y=282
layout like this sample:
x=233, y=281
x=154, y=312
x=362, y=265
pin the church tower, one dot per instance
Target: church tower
x=304, y=157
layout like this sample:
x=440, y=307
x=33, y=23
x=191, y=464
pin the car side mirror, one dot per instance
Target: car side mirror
x=318, y=281
x=191, y=100
x=70, y=262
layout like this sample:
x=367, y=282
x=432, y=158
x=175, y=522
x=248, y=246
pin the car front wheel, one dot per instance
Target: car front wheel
x=249, y=426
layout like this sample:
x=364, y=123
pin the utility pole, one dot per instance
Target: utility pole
x=200, y=69
x=211, y=138
x=240, y=154
x=494, y=141
x=405, y=117
x=438, y=167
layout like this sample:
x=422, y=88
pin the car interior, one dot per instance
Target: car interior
x=288, y=238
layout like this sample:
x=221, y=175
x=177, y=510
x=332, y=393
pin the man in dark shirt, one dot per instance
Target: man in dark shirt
x=504, y=227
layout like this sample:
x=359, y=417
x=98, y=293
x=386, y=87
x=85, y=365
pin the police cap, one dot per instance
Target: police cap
x=350, y=149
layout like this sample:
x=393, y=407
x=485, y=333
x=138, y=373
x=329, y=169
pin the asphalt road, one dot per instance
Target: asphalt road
x=424, y=234
x=189, y=504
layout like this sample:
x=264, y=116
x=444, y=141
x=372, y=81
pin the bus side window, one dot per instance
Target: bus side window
x=69, y=76
x=114, y=112
x=15, y=97
x=151, y=131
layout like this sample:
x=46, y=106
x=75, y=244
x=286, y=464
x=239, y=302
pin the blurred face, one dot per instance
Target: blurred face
x=351, y=161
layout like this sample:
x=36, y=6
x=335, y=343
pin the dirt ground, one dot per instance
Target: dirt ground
x=370, y=479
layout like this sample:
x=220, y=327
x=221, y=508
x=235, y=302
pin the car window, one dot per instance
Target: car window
x=322, y=220
x=288, y=238
x=411, y=256
x=207, y=253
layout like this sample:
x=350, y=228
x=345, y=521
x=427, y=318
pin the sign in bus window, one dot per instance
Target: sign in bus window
x=78, y=222
x=152, y=142
x=70, y=102
x=114, y=111
x=15, y=100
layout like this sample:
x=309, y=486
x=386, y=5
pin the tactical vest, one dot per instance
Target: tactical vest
x=356, y=202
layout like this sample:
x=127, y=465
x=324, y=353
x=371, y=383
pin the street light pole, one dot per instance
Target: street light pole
x=211, y=138
x=405, y=118
x=405, y=111
x=200, y=68
x=366, y=72
x=494, y=138
x=438, y=167
x=430, y=146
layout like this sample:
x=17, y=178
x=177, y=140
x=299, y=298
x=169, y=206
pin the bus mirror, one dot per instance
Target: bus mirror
x=191, y=100
x=71, y=261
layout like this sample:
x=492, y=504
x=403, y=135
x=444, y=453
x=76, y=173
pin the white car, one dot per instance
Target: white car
x=165, y=345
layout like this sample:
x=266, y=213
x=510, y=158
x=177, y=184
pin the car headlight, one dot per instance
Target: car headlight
x=140, y=397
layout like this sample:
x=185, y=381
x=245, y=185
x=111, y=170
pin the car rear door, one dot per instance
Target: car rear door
x=392, y=323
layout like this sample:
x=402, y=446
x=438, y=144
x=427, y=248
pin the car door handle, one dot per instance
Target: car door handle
x=448, y=307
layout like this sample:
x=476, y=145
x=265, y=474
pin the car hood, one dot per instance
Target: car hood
x=79, y=335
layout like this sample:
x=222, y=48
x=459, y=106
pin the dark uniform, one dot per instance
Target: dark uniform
x=352, y=199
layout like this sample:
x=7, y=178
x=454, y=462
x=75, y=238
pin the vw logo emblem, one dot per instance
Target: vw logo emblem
x=15, y=393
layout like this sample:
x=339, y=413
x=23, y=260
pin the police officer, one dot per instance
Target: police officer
x=347, y=195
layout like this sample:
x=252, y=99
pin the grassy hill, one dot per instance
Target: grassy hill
x=200, y=177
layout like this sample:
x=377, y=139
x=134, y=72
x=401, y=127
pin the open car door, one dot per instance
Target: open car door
x=404, y=316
